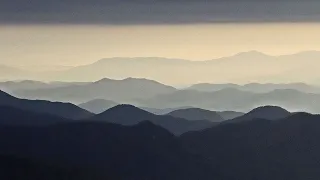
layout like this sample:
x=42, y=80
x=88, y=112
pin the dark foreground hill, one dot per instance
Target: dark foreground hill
x=65, y=110
x=95, y=150
x=258, y=149
x=261, y=149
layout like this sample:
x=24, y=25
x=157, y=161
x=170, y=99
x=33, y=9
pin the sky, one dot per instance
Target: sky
x=71, y=33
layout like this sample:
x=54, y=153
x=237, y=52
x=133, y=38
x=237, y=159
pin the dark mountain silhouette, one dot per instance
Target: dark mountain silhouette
x=197, y=114
x=65, y=110
x=18, y=117
x=15, y=168
x=264, y=112
x=257, y=149
x=130, y=115
x=236, y=100
x=98, y=105
x=125, y=90
x=261, y=149
x=97, y=150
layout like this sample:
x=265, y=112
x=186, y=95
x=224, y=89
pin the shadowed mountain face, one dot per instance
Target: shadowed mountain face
x=130, y=115
x=229, y=114
x=163, y=111
x=264, y=112
x=98, y=105
x=197, y=114
x=65, y=110
x=96, y=150
x=261, y=149
x=18, y=117
x=258, y=149
x=236, y=100
x=123, y=91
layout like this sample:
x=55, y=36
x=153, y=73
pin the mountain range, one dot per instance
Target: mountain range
x=286, y=148
x=236, y=100
x=161, y=99
x=241, y=68
x=256, y=87
x=121, y=91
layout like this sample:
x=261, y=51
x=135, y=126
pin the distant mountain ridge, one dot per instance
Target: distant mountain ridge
x=121, y=91
x=237, y=100
x=247, y=65
x=299, y=67
x=256, y=87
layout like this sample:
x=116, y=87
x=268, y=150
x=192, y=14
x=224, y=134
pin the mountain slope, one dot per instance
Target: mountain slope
x=101, y=151
x=197, y=114
x=18, y=117
x=261, y=149
x=130, y=115
x=98, y=105
x=65, y=110
x=230, y=114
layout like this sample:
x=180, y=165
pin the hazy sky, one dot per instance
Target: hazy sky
x=83, y=44
x=80, y=32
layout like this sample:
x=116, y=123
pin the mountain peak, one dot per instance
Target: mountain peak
x=263, y=112
x=269, y=108
x=267, y=112
x=252, y=53
x=126, y=109
x=103, y=80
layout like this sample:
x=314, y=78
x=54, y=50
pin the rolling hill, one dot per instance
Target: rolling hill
x=65, y=110
x=194, y=114
x=131, y=115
